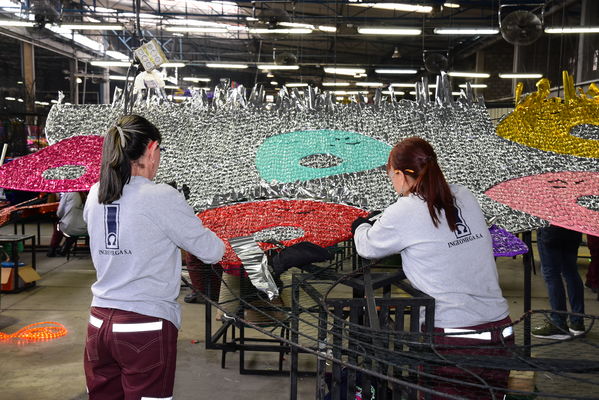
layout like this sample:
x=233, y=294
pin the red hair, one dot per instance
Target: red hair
x=415, y=157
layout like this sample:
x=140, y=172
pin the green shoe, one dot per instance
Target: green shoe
x=551, y=331
x=577, y=328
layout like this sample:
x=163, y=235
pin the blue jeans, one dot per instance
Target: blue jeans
x=558, y=249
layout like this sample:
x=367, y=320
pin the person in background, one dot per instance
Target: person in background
x=558, y=250
x=70, y=224
x=136, y=228
x=592, y=278
x=447, y=253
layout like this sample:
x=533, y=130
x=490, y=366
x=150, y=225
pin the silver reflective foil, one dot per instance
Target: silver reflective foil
x=255, y=264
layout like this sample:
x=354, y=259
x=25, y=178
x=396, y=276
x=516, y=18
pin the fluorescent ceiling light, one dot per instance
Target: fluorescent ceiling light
x=194, y=79
x=395, y=92
x=10, y=98
x=573, y=29
x=469, y=74
x=274, y=83
x=290, y=31
x=296, y=25
x=370, y=84
x=54, y=101
x=10, y=4
x=339, y=98
x=195, y=29
x=389, y=31
x=236, y=28
x=456, y=93
x=20, y=100
x=117, y=54
x=253, y=19
x=413, y=93
x=108, y=63
x=349, y=92
x=395, y=71
x=14, y=22
x=102, y=10
x=335, y=84
x=451, y=5
x=227, y=66
x=296, y=84
x=395, y=7
x=120, y=77
x=192, y=22
x=78, y=38
x=474, y=85
x=93, y=27
x=173, y=65
x=411, y=85
x=344, y=71
x=172, y=87
x=326, y=28
x=520, y=76
x=271, y=67
x=466, y=31
x=134, y=15
x=182, y=98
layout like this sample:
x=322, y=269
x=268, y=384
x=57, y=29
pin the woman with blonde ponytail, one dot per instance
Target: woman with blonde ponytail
x=136, y=228
x=447, y=253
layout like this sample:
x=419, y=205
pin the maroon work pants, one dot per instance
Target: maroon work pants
x=495, y=342
x=129, y=356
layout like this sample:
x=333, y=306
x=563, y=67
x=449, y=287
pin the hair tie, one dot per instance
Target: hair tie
x=122, y=135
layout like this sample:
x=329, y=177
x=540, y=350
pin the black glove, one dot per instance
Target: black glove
x=359, y=221
x=373, y=213
x=299, y=254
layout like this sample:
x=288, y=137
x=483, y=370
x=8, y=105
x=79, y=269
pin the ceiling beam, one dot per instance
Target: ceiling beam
x=47, y=43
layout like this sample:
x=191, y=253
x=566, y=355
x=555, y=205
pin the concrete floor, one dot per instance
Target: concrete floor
x=53, y=369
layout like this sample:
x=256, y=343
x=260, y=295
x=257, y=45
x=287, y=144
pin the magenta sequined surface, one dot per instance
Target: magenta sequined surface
x=70, y=165
x=505, y=244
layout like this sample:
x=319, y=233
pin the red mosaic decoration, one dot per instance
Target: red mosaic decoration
x=553, y=196
x=325, y=224
x=25, y=173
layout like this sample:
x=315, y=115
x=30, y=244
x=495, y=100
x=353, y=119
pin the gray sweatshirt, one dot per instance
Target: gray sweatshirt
x=456, y=268
x=70, y=212
x=135, y=245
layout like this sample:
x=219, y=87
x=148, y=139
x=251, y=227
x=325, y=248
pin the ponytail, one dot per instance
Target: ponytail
x=415, y=157
x=124, y=143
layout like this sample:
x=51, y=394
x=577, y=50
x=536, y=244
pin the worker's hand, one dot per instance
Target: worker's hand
x=359, y=221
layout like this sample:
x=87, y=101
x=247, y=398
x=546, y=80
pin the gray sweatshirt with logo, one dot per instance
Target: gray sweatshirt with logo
x=135, y=243
x=456, y=268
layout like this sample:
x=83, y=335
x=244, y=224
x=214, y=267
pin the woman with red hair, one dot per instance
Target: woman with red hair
x=446, y=249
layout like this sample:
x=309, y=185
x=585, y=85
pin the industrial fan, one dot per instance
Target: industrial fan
x=521, y=27
x=435, y=62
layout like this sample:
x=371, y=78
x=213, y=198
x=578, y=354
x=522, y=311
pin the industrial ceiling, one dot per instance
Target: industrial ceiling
x=311, y=34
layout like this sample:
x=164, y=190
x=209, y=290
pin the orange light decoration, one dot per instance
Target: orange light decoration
x=35, y=332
